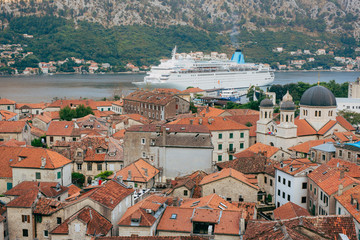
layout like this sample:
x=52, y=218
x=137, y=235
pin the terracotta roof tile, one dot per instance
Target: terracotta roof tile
x=242, y=112
x=327, y=127
x=261, y=148
x=159, y=98
x=345, y=200
x=294, y=166
x=304, y=128
x=13, y=143
x=63, y=128
x=6, y=115
x=8, y=157
x=343, y=122
x=140, y=171
x=326, y=227
x=153, y=238
x=211, y=112
x=119, y=134
x=211, y=201
x=96, y=224
x=40, y=105
x=352, y=169
x=290, y=210
x=169, y=128
x=73, y=189
x=227, y=172
x=4, y=101
x=346, y=136
x=306, y=146
x=191, y=182
x=25, y=200
x=12, y=126
x=192, y=90
x=47, y=206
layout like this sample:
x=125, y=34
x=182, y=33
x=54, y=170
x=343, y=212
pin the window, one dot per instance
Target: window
x=144, y=154
x=283, y=195
x=219, y=158
x=304, y=185
x=38, y=175
x=288, y=197
x=185, y=192
x=265, y=179
x=279, y=193
x=220, y=135
x=62, y=138
x=58, y=220
x=99, y=167
x=242, y=135
x=46, y=233
x=173, y=216
x=74, y=139
x=231, y=135
x=79, y=154
x=8, y=107
x=230, y=157
x=58, y=175
x=284, y=181
x=303, y=199
x=349, y=154
x=25, y=233
x=339, y=211
x=340, y=153
x=271, y=182
x=323, y=157
x=77, y=227
x=220, y=146
x=241, y=145
x=143, y=141
x=279, y=179
x=8, y=185
x=51, y=139
x=289, y=184
x=25, y=218
x=231, y=147
x=79, y=166
x=315, y=191
x=89, y=166
x=310, y=187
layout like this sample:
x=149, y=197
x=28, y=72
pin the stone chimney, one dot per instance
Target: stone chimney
x=340, y=189
x=342, y=172
x=43, y=162
x=210, y=120
x=129, y=175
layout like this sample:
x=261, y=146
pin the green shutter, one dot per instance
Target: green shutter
x=38, y=175
x=220, y=147
x=231, y=135
x=220, y=135
x=9, y=185
x=219, y=158
x=230, y=157
x=59, y=175
x=241, y=145
x=241, y=135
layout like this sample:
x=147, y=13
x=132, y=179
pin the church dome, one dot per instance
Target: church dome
x=266, y=103
x=318, y=96
x=287, y=105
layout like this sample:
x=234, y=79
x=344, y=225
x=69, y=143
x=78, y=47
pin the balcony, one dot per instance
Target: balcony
x=231, y=150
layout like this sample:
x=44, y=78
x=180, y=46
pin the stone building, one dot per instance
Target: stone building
x=348, y=152
x=67, y=131
x=18, y=130
x=155, y=105
x=7, y=104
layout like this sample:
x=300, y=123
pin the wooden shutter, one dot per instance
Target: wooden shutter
x=28, y=218
x=22, y=218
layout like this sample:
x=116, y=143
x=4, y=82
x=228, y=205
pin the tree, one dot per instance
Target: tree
x=351, y=117
x=104, y=175
x=78, y=179
x=193, y=108
x=68, y=113
x=39, y=142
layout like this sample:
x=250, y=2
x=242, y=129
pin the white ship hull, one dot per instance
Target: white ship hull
x=240, y=79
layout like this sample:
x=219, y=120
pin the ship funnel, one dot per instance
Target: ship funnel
x=238, y=57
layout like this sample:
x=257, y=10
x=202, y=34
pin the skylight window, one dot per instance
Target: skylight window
x=173, y=216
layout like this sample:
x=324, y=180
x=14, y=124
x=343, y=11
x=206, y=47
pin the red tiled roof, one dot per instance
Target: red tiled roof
x=294, y=166
x=346, y=136
x=152, y=202
x=211, y=112
x=8, y=157
x=4, y=101
x=305, y=228
x=191, y=182
x=73, y=189
x=227, y=172
x=150, y=97
x=25, y=200
x=40, y=105
x=96, y=224
x=12, y=126
x=304, y=128
x=261, y=148
x=13, y=143
x=213, y=123
x=290, y=210
x=243, y=112
x=37, y=131
x=343, y=122
x=169, y=128
x=211, y=201
x=47, y=206
x=46, y=118
x=62, y=128
x=119, y=134
x=306, y=146
x=192, y=90
x=152, y=238
x=327, y=127
x=352, y=169
x=6, y=115
x=140, y=171
x=345, y=200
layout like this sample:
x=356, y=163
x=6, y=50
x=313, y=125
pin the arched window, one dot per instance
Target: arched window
x=262, y=114
x=287, y=118
x=319, y=113
x=265, y=114
x=271, y=144
x=315, y=113
x=291, y=118
x=304, y=112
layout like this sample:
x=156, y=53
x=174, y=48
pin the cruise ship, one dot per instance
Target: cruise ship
x=184, y=71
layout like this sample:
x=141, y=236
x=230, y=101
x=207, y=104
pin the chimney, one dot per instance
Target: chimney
x=210, y=120
x=146, y=172
x=129, y=175
x=43, y=162
x=340, y=189
x=200, y=121
x=191, y=121
x=242, y=226
x=207, y=109
x=342, y=172
x=210, y=229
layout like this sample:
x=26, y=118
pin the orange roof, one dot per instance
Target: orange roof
x=227, y=172
x=213, y=123
x=211, y=112
x=62, y=128
x=12, y=126
x=213, y=201
x=306, y=146
x=140, y=171
x=118, y=103
x=96, y=224
x=343, y=122
x=119, y=134
x=294, y=166
x=73, y=189
x=353, y=170
x=41, y=105
x=4, y=101
x=152, y=202
x=32, y=158
x=328, y=178
x=290, y=210
x=260, y=147
x=166, y=90
x=6, y=115
x=346, y=136
x=46, y=118
x=242, y=112
x=304, y=128
x=100, y=114
x=177, y=219
x=327, y=127
x=192, y=90
x=13, y=143
x=345, y=200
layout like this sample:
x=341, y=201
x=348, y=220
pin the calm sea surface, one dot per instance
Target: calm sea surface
x=45, y=87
